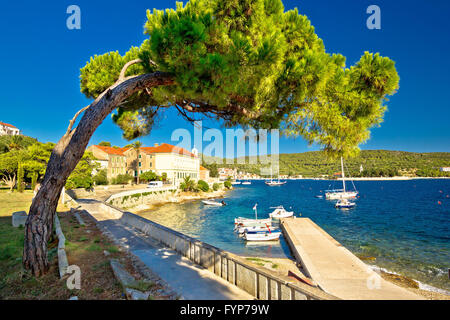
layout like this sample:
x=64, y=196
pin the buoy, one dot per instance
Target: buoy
x=439, y=202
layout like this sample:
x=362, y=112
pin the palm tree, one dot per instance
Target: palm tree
x=187, y=184
x=137, y=147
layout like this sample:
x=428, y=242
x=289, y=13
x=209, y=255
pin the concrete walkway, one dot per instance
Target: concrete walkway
x=189, y=280
x=334, y=268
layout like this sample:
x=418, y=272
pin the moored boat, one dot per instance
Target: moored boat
x=245, y=222
x=262, y=236
x=264, y=228
x=341, y=193
x=344, y=203
x=280, y=212
x=214, y=203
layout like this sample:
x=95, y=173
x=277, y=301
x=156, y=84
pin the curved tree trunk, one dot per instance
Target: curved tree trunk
x=63, y=160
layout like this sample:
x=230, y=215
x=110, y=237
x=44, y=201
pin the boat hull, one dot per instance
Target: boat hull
x=340, y=195
x=243, y=222
x=212, y=203
x=265, y=236
x=242, y=230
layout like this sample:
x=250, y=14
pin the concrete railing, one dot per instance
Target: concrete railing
x=259, y=282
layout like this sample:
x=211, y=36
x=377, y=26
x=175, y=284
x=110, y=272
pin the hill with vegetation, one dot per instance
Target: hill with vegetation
x=374, y=163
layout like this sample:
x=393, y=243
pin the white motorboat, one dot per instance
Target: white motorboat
x=344, y=204
x=262, y=236
x=242, y=230
x=246, y=183
x=214, y=203
x=341, y=193
x=280, y=212
x=236, y=182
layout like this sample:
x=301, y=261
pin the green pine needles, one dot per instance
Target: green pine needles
x=249, y=63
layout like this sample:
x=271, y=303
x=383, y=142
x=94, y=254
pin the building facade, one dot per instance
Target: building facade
x=204, y=174
x=8, y=129
x=113, y=160
x=177, y=163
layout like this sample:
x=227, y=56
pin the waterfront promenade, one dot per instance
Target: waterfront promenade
x=334, y=268
x=186, y=278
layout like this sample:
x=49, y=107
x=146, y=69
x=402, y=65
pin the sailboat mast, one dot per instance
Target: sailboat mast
x=343, y=174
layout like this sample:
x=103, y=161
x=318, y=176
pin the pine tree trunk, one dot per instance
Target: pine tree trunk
x=63, y=160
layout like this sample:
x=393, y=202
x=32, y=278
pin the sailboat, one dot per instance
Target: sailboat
x=273, y=183
x=338, y=194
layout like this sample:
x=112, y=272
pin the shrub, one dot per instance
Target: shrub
x=216, y=186
x=122, y=179
x=149, y=176
x=227, y=184
x=203, y=185
x=79, y=181
x=101, y=178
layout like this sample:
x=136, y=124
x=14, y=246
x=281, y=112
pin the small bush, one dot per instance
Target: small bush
x=216, y=186
x=227, y=184
x=101, y=178
x=202, y=185
x=122, y=179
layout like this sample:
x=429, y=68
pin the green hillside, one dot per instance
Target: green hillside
x=375, y=163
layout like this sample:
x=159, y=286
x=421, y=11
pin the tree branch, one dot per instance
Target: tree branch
x=125, y=68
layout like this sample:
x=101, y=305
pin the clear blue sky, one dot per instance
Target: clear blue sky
x=41, y=60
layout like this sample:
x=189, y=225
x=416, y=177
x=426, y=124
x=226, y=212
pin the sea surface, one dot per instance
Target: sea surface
x=404, y=225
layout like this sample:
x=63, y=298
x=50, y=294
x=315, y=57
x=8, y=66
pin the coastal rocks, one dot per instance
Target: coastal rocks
x=19, y=218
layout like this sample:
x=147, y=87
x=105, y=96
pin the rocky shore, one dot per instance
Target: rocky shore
x=178, y=197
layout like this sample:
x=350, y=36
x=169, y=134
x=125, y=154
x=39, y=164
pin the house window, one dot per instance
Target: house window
x=140, y=164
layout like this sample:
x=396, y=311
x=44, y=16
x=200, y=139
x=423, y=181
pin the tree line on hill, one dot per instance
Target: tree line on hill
x=369, y=163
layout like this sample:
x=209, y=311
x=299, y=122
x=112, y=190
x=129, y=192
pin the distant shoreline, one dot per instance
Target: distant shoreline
x=360, y=178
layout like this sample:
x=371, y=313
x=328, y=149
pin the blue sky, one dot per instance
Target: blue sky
x=41, y=60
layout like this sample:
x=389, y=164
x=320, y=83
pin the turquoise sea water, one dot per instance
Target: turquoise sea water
x=400, y=223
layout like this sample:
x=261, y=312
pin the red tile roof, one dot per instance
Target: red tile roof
x=167, y=148
x=203, y=168
x=111, y=150
x=7, y=124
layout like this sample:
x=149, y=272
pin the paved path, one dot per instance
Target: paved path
x=334, y=268
x=186, y=278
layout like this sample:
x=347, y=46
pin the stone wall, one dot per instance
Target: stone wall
x=134, y=198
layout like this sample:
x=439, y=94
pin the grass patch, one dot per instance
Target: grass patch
x=94, y=247
x=142, y=285
x=112, y=249
x=262, y=262
x=83, y=250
